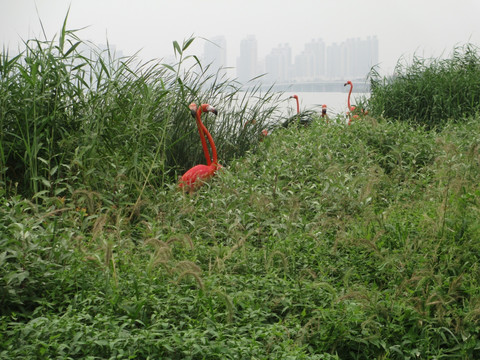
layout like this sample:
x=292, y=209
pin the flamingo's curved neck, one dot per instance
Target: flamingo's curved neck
x=204, y=132
x=195, y=112
x=212, y=145
x=349, y=94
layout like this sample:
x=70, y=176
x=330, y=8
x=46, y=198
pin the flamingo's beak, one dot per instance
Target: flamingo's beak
x=211, y=109
x=345, y=84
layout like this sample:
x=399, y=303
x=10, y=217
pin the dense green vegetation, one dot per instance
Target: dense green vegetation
x=430, y=92
x=73, y=114
x=362, y=242
x=321, y=242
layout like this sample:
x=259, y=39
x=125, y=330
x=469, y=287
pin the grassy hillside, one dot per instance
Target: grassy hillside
x=329, y=242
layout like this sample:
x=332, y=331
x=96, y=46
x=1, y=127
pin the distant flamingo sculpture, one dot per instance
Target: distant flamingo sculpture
x=196, y=176
x=298, y=104
x=303, y=118
x=263, y=133
x=350, y=107
x=324, y=112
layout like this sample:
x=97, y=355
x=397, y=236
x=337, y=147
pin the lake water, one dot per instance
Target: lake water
x=336, y=101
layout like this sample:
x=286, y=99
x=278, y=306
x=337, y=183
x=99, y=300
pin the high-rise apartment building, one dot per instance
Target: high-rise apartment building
x=247, y=62
x=215, y=55
x=278, y=64
x=351, y=59
x=310, y=63
x=359, y=56
x=334, y=62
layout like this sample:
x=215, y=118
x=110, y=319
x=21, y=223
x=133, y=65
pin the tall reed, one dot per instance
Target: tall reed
x=74, y=115
x=430, y=92
x=40, y=94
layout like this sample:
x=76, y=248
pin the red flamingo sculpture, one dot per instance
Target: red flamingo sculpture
x=324, y=113
x=350, y=107
x=298, y=104
x=304, y=118
x=197, y=175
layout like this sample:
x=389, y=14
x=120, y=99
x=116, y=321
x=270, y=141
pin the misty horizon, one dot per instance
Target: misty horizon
x=148, y=28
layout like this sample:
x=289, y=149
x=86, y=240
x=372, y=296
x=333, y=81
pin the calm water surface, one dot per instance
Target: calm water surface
x=336, y=101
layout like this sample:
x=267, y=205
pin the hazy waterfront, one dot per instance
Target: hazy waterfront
x=336, y=101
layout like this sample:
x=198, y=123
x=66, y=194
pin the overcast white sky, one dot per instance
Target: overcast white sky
x=403, y=27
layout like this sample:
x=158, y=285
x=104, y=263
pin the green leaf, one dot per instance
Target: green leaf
x=176, y=48
x=72, y=48
x=17, y=278
x=169, y=67
x=188, y=43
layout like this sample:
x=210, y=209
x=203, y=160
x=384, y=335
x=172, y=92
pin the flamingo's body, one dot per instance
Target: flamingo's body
x=197, y=175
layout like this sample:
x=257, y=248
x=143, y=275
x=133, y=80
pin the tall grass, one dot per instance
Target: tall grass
x=41, y=92
x=429, y=92
x=74, y=115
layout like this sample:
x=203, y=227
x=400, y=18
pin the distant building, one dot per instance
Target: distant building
x=351, y=59
x=334, y=62
x=359, y=56
x=215, y=55
x=310, y=63
x=278, y=64
x=247, y=62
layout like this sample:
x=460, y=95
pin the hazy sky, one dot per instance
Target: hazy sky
x=403, y=27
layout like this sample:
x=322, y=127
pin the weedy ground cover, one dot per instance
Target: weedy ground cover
x=330, y=242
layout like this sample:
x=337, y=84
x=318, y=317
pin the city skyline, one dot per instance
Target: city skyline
x=147, y=28
x=352, y=58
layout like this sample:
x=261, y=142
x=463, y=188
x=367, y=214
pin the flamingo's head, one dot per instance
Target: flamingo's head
x=324, y=109
x=209, y=108
x=263, y=134
x=348, y=83
x=193, y=109
x=294, y=97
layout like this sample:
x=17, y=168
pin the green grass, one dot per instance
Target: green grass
x=361, y=243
